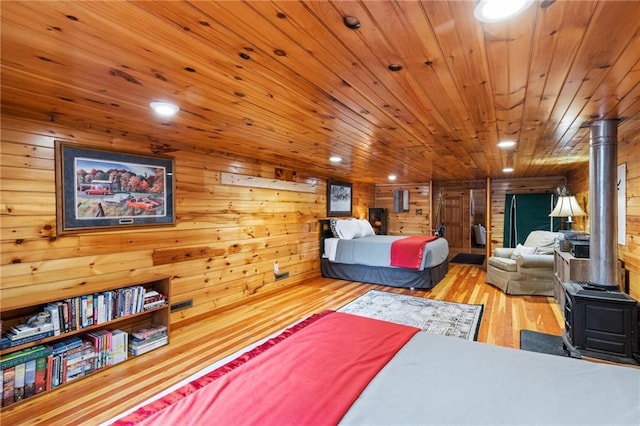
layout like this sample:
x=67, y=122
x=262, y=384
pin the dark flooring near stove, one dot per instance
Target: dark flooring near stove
x=535, y=341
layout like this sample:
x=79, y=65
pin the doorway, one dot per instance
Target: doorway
x=478, y=217
x=453, y=219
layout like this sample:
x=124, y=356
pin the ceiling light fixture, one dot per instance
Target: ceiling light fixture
x=164, y=109
x=490, y=11
x=506, y=144
x=507, y=170
x=335, y=159
x=392, y=177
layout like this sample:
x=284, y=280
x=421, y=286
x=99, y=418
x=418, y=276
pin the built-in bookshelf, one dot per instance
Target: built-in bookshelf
x=55, y=343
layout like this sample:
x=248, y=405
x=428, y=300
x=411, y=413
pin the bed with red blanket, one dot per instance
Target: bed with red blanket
x=416, y=261
x=338, y=368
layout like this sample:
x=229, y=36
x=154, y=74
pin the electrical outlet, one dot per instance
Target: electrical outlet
x=282, y=276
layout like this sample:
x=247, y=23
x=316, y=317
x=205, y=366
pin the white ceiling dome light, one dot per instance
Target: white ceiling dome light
x=499, y=10
x=506, y=144
x=164, y=109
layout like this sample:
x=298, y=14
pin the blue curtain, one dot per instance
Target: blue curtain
x=524, y=213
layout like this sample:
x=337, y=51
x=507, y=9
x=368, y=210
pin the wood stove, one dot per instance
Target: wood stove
x=600, y=323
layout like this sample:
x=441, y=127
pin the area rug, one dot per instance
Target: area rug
x=468, y=258
x=534, y=341
x=433, y=316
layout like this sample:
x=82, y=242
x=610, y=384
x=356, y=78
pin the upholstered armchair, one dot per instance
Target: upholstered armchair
x=527, y=269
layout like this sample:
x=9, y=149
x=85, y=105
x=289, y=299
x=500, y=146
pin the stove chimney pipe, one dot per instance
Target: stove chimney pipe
x=603, y=244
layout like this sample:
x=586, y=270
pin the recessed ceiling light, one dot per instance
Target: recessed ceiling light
x=165, y=109
x=499, y=10
x=506, y=144
x=507, y=170
x=392, y=177
x=335, y=159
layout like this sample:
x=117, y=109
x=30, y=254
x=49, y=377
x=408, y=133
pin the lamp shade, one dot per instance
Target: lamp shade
x=567, y=206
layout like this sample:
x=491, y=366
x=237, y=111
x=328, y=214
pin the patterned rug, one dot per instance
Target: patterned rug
x=433, y=316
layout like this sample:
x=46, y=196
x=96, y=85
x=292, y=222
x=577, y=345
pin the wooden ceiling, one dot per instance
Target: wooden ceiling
x=287, y=82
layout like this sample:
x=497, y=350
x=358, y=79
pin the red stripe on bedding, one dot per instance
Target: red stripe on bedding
x=407, y=252
x=311, y=377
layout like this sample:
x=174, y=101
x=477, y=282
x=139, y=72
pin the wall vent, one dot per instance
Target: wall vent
x=175, y=307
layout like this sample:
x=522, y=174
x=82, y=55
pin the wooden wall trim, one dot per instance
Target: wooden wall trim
x=260, y=182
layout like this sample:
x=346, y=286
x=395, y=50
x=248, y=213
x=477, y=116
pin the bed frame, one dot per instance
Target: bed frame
x=390, y=276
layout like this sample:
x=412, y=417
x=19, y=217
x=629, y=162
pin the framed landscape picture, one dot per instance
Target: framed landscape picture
x=98, y=189
x=339, y=198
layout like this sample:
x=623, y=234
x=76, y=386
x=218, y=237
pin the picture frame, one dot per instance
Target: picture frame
x=339, y=198
x=98, y=189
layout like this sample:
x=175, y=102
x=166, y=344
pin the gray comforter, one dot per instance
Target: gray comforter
x=440, y=380
x=375, y=250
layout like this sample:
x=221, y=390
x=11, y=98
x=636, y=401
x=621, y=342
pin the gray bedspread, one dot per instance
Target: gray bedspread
x=439, y=380
x=375, y=250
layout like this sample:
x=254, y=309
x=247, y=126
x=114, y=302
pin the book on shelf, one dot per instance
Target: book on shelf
x=7, y=343
x=73, y=356
x=8, y=383
x=148, y=347
x=146, y=332
x=41, y=373
x=30, y=379
x=119, y=350
x=102, y=340
x=18, y=388
x=153, y=305
x=54, y=312
x=21, y=331
x=138, y=344
x=23, y=355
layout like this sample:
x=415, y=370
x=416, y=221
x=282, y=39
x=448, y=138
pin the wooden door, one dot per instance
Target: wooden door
x=453, y=219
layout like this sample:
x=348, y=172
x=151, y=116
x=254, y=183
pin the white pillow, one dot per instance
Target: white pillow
x=348, y=229
x=521, y=250
x=365, y=228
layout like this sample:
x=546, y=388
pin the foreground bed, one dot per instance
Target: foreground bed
x=365, y=371
x=368, y=258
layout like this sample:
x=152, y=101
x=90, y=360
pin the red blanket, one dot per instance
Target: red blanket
x=407, y=252
x=311, y=377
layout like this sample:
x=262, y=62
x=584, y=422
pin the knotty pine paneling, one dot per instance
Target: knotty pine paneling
x=501, y=187
x=220, y=252
x=412, y=222
x=578, y=182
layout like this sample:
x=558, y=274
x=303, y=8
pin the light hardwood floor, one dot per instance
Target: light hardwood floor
x=194, y=346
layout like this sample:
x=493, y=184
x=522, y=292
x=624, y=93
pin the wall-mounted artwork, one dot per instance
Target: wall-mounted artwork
x=339, y=198
x=400, y=200
x=104, y=189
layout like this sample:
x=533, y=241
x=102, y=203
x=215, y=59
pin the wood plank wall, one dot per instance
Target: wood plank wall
x=411, y=222
x=578, y=183
x=220, y=252
x=501, y=187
